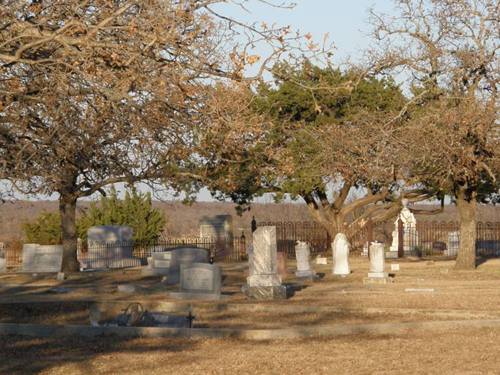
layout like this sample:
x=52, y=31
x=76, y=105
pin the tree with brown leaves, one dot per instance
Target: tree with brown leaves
x=448, y=53
x=94, y=93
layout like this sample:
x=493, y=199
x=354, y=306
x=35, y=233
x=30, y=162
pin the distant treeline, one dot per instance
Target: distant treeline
x=183, y=220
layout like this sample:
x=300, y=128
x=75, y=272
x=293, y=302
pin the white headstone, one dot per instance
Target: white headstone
x=263, y=266
x=377, y=260
x=340, y=248
x=302, y=253
x=395, y=267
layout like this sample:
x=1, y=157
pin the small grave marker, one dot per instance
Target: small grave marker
x=199, y=281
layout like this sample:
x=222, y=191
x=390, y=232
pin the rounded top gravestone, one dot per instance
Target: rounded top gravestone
x=340, y=248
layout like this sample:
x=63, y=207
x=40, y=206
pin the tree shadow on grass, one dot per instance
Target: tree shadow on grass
x=28, y=355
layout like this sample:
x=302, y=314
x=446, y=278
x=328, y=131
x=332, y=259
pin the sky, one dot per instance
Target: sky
x=344, y=20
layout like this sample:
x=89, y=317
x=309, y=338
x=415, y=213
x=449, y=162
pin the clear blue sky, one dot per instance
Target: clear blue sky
x=344, y=20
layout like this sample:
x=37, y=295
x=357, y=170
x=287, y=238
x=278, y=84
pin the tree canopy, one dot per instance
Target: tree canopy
x=324, y=136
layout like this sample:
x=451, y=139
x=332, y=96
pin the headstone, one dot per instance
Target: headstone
x=302, y=253
x=199, y=281
x=340, y=249
x=453, y=243
x=410, y=235
x=28, y=257
x=220, y=229
x=158, y=264
x=377, y=260
x=263, y=281
x=281, y=262
x=377, y=265
x=184, y=255
x=394, y=267
x=110, y=233
x=39, y=259
x=110, y=246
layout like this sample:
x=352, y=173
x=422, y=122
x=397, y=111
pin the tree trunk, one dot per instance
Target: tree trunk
x=467, y=207
x=67, y=210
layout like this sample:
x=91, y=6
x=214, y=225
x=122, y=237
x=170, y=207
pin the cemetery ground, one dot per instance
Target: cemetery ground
x=426, y=292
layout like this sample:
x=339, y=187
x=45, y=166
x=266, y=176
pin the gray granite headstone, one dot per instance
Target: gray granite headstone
x=110, y=233
x=110, y=246
x=184, y=255
x=29, y=250
x=39, y=259
x=263, y=281
x=199, y=281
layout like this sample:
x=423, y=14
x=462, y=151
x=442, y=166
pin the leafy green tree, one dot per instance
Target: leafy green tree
x=44, y=230
x=324, y=136
x=135, y=210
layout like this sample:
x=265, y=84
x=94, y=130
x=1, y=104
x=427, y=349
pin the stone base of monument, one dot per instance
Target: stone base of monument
x=265, y=292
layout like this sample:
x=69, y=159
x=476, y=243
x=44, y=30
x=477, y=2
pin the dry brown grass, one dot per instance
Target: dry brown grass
x=458, y=295
x=465, y=352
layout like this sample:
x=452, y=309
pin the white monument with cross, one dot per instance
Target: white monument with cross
x=410, y=235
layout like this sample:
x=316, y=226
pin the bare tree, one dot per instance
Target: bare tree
x=97, y=92
x=448, y=52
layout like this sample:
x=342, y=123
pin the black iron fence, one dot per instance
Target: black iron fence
x=288, y=233
x=98, y=255
x=427, y=238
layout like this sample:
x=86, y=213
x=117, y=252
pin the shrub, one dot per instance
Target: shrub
x=44, y=230
x=136, y=211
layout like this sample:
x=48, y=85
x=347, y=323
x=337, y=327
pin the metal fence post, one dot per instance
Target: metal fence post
x=401, y=250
